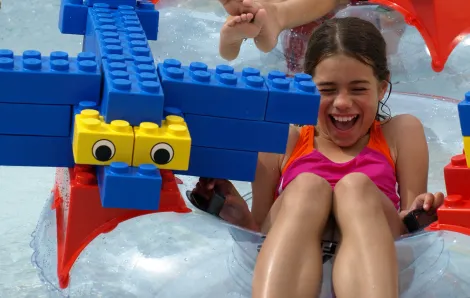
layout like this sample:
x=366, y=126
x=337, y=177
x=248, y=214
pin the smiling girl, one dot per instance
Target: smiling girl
x=355, y=175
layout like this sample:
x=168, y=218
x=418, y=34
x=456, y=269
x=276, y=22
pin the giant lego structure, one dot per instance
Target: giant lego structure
x=118, y=127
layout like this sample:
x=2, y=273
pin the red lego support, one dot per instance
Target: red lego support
x=454, y=214
x=442, y=24
x=76, y=197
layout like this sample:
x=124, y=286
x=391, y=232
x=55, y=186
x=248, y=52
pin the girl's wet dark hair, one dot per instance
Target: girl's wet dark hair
x=355, y=38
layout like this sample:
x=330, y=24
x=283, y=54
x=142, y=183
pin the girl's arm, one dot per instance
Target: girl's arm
x=412, y=158
x=268, y=173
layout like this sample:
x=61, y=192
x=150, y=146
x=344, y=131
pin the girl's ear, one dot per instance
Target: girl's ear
x=384, y=87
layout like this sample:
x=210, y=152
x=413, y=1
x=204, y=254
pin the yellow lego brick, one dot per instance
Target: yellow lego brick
x=88, y=113
x=167, y=147
x=173, y=119
x=98, y=143
x=466, y=148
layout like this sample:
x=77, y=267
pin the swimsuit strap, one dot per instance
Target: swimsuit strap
x=303, y=146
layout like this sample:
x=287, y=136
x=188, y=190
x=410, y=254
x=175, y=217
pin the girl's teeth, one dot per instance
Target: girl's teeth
x=344, y=119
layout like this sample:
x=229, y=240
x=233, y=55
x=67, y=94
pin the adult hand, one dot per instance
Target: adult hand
x=235, y=209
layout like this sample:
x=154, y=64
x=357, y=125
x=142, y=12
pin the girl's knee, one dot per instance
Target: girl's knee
x=358, y=190
x=310, y=185
x=308, y=190
x=354, y=183
x=309, y=181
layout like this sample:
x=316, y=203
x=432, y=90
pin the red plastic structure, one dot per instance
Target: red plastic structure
x=442, y=24
x=454, y=214
x=81, y=218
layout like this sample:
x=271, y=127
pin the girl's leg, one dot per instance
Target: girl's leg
x=366, y=262
x=290, y=261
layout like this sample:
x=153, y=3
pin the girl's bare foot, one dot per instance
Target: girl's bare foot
x=235, y=30
x=263, y=26
x=240, y=27
x=267, y=20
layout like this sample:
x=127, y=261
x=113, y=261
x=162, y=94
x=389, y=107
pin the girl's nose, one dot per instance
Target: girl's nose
x=342, y=101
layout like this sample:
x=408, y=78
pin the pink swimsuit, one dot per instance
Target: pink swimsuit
x=374, y=161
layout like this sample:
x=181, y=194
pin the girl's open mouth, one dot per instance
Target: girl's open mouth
x=344, y=123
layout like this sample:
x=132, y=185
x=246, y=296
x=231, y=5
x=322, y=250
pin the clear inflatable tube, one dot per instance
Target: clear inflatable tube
x=197, y=255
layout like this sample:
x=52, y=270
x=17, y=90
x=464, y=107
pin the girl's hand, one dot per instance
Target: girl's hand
x=235, y=209
x=428, y=201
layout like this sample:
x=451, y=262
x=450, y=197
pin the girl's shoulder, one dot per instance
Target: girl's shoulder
x=399, y=122
x=400, y=127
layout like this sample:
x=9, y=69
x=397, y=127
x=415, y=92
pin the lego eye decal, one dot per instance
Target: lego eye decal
x=162, y=153
x=103, y=150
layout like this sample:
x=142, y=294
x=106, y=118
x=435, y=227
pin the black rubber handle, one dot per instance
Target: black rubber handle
x=418, y=220
x=212, y=206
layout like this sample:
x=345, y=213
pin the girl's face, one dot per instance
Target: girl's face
x=350, y=94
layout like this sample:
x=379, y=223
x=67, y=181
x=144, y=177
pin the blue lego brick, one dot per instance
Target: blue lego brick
x=57, y=79
x=72, y=17
x=127, y=187
x=221, y=163
x=237, y=134
x=132, y=92
x=36, y=120
x=90, y=40
x=111, y=3
x=120, y=43
x=149, y=18
x=36, y=151
x=122, y=18
x=84, y=105
x=220, y=92
x=464, y=115
x=106, y=34
x=167, y=111
x=292, y=100
x=115, y=32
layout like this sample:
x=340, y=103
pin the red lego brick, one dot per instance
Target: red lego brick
x=81, y=218
x=170, y=196
x=454, y=214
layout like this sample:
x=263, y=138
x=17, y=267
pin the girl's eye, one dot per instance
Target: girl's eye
x=359, y=89
x=326, y=90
